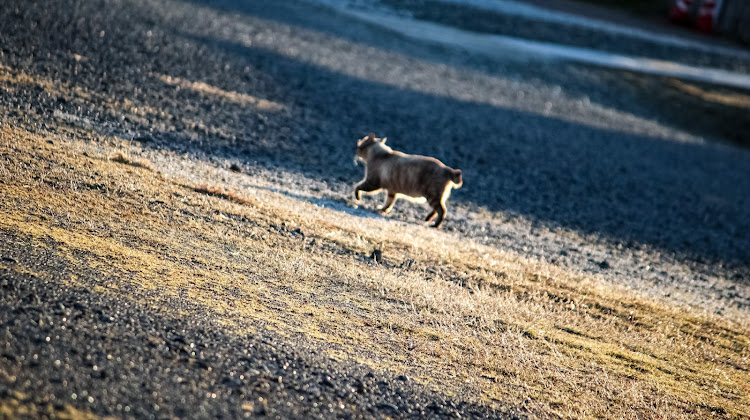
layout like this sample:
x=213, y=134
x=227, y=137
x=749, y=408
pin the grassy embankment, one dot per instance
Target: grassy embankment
x=458, y=317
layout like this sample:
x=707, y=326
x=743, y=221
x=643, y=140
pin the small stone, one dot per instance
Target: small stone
x=10, y=356
x=180, y=339
x=235, y=168
x=359, y=387
x=387, y=406
x=231, y=382
x=144, y=139
x=202, y=363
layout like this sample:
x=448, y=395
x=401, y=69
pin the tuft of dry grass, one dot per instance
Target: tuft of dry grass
x=235, y=97
x=463, y=319
x=123, y=158
x=220, y=192
x=719, y=96
x=15, y=404
x=13, y=408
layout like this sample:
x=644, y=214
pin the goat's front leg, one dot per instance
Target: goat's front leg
x=390, y=200
x=365, y=185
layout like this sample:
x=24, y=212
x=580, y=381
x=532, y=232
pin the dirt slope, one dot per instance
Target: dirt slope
x=177, y=238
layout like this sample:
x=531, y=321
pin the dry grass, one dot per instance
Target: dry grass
x=16, y=404
x=220, y=192
x=13, y=408
x=459, y=317
x=209, y=90
x=719, y=96
x=121, y=157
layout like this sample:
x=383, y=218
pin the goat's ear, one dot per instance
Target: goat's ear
x=383, y=140
x=371, y=136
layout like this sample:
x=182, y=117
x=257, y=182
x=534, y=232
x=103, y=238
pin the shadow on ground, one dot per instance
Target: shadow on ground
x=642, y=95
x=679, y=197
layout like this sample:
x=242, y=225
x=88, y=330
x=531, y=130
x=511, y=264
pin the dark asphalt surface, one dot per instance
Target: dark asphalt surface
x=654, y=199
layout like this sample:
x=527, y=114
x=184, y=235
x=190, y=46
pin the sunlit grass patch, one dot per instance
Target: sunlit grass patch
x=466, y=320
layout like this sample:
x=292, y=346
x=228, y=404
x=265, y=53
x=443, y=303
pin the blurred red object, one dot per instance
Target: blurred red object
x=703, y=15
x=680, y=12
x=706, y=16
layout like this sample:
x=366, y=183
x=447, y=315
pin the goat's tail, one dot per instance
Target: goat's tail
x=456, y=178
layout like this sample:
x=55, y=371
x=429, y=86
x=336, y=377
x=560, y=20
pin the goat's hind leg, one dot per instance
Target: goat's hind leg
x=438, y=208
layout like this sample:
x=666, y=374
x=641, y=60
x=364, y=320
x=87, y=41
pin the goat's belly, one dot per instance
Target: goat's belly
x=413, y=199
x=404, y=190
x=403, y=180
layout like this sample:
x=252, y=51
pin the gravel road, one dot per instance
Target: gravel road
x=623, y=176
x=484, y=20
